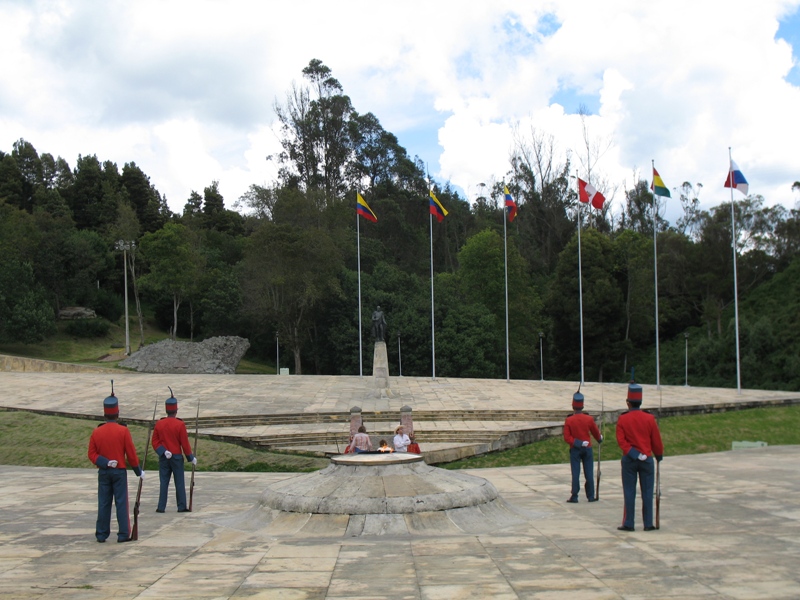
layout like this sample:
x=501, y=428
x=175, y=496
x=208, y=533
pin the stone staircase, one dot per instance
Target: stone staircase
x=443, y=435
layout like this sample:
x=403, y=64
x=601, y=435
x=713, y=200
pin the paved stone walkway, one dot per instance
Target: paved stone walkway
x=730, y=525
x=730, y=522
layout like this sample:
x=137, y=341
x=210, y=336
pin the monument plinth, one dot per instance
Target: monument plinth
x=380, y=366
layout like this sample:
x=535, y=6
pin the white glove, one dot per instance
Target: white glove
x=584, y=444
x=642, y=456
x=194, y=461
x=142, y=475
x=167, y=454
x=112, y=464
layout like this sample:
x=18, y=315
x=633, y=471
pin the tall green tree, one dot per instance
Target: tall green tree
x=288, y=273
x=175, y=265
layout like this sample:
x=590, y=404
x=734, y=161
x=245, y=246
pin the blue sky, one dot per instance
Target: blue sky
x=186, y=89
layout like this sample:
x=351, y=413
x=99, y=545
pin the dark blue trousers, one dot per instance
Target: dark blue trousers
x=644, y=471
x=585, y=457
x=112, y=485
x=171, y=467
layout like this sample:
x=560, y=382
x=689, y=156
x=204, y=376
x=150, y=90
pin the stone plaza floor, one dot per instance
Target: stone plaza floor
x=730, y=521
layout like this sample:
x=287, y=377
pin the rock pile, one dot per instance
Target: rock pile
x=217, y=355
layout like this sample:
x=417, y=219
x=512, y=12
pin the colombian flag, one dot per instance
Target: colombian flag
x=437, y=210
x=511, y=206
x=658, y=187
x=364, y=210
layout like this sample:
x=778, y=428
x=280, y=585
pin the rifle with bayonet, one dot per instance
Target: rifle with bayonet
x=135, y=530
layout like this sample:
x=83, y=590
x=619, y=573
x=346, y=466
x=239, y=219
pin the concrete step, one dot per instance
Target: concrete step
x=370, y=417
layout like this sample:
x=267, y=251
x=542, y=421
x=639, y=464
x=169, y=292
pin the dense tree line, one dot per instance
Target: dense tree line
x=285, y=262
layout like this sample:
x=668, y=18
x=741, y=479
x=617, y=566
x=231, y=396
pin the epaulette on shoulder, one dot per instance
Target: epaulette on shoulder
x=179, y=419
x=101, y=424
x=572, y=415
x=624, y=412
x=124, y=424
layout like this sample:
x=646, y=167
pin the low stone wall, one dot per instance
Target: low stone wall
x=20, y=364
x=217, y=355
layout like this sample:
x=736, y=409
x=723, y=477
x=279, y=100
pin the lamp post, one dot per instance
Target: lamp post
x=125, y=246
x=399, y=355
x=541, y=356
x=277, y=355
x=686, y=339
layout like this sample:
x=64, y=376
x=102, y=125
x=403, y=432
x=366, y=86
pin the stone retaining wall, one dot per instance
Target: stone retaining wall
x=20, y=364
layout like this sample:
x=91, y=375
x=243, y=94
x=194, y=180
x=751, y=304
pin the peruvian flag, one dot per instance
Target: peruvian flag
x=587, y=193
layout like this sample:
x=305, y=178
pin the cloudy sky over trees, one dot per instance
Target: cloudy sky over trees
x=187, y=89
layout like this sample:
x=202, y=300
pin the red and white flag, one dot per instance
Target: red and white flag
x=588, y=193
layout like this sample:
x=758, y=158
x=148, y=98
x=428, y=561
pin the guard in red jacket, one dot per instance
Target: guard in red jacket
x=579, y=428
x=640, y=441
x=110, y=449
x=171, y=442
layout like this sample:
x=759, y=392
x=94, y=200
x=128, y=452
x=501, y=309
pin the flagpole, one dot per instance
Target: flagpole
x=655, y=275
x=505, y=269
x=360, y=352
x=433, y=329
x=580, y=275
x=735, y=282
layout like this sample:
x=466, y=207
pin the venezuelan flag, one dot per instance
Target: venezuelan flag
x=364, y=210
x=437, y=210
x=658, y=187
x=511, y=206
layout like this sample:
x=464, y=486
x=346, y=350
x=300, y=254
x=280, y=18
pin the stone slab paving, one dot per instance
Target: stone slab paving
x=270, y=394
x=730, y=528
x=730, y=521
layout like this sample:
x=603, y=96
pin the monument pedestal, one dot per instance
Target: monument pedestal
x=380, y=366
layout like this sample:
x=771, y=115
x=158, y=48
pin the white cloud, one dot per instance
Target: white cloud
x=186, y=89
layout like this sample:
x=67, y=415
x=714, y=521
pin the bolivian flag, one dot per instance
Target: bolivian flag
x=658, y=187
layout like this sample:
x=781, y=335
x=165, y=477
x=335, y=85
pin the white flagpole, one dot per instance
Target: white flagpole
x=735, y=282
x=580, y=275
x=433, y=328
x=655, y=274
x=358, y=243
x=505, y=268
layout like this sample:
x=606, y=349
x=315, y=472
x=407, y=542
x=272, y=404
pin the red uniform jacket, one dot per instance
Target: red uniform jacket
x=638, y=429
x=170, y=434
x=578, y=427
x=112, y=441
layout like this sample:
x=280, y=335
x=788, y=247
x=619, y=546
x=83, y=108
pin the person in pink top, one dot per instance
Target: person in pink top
x=640, y=441
x=579, y=428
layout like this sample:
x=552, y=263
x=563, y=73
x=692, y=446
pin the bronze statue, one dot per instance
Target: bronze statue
x=378, y=325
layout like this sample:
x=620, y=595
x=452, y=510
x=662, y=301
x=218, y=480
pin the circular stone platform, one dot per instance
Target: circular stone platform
x=378, y=494
x=361, y=484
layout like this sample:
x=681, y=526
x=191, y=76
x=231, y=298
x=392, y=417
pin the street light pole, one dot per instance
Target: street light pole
x=277, y=355
x=125, y=246
x=686, y=339
x=541, y=357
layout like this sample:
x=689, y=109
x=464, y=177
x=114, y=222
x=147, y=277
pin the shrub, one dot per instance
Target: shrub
x=88, y=328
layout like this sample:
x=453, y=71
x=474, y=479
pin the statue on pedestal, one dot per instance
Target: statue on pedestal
x=378, y=325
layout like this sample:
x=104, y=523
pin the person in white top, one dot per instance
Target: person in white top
x=401, y=440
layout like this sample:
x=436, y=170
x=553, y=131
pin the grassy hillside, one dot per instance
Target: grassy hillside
x=21, y=435
x=105, y=351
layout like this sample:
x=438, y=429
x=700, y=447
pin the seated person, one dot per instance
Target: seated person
x=401, y=440
x=361, y=442
x=385, y=447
